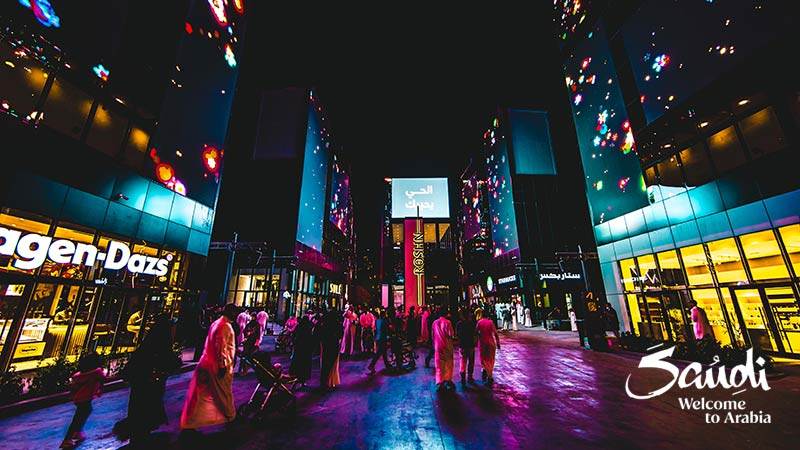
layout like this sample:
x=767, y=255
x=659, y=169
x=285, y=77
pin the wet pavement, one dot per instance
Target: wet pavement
x=549, y=393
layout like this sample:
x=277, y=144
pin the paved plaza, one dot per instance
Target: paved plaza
x=549, y=393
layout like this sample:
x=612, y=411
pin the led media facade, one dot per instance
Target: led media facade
x=427, y=197
x=501, y=200
x=315, y=175
x=614, y=182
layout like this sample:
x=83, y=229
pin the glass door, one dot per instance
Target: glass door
x=783, y=305
x=657, y=317
x=756, y=321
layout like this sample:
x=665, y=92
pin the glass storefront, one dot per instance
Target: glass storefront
x=746, y=284
x=64, y=309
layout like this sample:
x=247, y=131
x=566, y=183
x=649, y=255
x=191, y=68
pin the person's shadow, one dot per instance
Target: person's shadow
x=450, y=408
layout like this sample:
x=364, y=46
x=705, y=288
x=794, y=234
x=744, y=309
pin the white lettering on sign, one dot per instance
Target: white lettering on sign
x=507, y=279
x=559, y=276
x=33, y=249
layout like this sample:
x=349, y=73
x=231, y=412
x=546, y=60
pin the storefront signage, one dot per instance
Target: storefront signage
x=101, y=281
x=336, y=289
x=506, y=280
x=559, y=276
x=33, y=249
x=414, y=255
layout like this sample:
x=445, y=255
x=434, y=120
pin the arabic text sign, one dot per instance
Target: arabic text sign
x=428, y=195
x=562, y=276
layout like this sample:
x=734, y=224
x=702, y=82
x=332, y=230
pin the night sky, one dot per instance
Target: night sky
x=407, y=93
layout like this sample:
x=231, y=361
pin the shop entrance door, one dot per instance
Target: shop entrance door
x=771, y=317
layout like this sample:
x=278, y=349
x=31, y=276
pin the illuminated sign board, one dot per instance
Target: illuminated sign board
x=33, y=249
x=563, y=276
x=506, y=280
x=420, y=197
x=414, y=263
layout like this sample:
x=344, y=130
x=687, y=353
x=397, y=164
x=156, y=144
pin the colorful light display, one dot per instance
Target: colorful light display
x=605, y=137
x=569, y=15
x=43, y=12
x=340, y=199
x=165, y=173
x=230, y=58
x=218, y=12
x=676, y=48
x=471, y=210
x=212, y=160
x=238, y=5
x=315, y=175
x=503, y=216
x=101, y=72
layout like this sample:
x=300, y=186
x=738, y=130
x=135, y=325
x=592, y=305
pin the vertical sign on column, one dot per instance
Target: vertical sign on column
x=414, y=256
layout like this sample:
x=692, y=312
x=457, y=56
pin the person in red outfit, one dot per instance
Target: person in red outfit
x=86, y=384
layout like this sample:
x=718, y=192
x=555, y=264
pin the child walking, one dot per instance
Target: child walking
x=87, y=383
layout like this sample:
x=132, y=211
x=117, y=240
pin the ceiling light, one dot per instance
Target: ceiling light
x=743, y=102
x=703, y=124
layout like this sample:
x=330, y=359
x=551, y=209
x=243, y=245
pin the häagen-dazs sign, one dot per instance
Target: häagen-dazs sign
x=33, y=249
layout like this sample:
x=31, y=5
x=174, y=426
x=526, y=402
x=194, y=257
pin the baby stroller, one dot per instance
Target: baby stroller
x=284, y=343
x=274, y=390
x=407, y=356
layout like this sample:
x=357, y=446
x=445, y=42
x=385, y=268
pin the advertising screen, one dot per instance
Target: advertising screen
x=530, y=139
x=315, y=175
x=471, y=207
x=340, y=199
x=501, y=200
x=426, y=196
x=678, y=47
x=613, y=176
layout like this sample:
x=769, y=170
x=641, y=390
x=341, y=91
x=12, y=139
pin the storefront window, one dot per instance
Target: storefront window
x=791, y=240
x=131, y=323
x=733, y=321
x=80, y=322
x=764, y=255
x=694, y=260
x=726, y=150
x=675, y=302
x=44, y=331
x=727, y=262
x=111, y=276
x=649, y=272
x=671, y=273
x=68, y=271
x=11, y=295
x=629, y=274
x=106, y=320
x=708, y=300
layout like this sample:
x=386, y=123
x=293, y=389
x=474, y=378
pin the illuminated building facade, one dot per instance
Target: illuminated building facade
x=308, y=257
x=417, y=251
x=112, y=170
x=687, y=125
x=513, y=221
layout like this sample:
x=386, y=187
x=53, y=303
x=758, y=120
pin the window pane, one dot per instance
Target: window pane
x=696, y=165
x=726, y=150
x=650, y=176
x=429, y=231
x=629, y=274
x=708, y=300
x=66, y=108
x=107, y=131
x=11, y=296
x=21, y=81
x=397, y=233
x=671, y=273
x=762, y=132
x=764, y=255
x=791, y=240
x=636, y=315
x=727, y=262
x=694, y=260
x=648, y=272
x=670, y=175
x=738, y=337
x=136, y=147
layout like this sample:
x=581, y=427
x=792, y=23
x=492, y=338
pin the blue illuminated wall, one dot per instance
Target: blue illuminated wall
x=315, y=175
x=614, y=182
x=678, y=47
x=429, y=196
x=501, y=200
x=530, y=139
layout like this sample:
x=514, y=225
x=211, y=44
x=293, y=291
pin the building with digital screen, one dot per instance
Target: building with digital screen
x=512, y=219
x=687, y=125
x=417, y=256
x=306, y=257
x=109, y=192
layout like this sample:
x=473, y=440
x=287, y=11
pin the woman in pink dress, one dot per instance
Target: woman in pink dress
x=702, y=327
x=489, y=343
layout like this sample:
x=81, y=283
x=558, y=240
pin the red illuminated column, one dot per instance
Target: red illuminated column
x=414, y=259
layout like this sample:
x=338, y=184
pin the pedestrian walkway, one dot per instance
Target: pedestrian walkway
x=549, y=393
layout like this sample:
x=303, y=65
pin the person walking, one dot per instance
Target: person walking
x=513, y=310
x=348, y=344
x=443, y=336
x=302, y=352
x=507, y=317
x=367, y=321
x=263, y=319
x=146, y=373
x=381, y=342
x=209, y=400
x=489, y=343
x=423, y=325
x=431, y=318
x=466, y=342
x=329, y=334
x=86, y=384
x=252, y=338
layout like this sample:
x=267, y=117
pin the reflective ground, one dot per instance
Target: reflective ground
x=549, y=393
